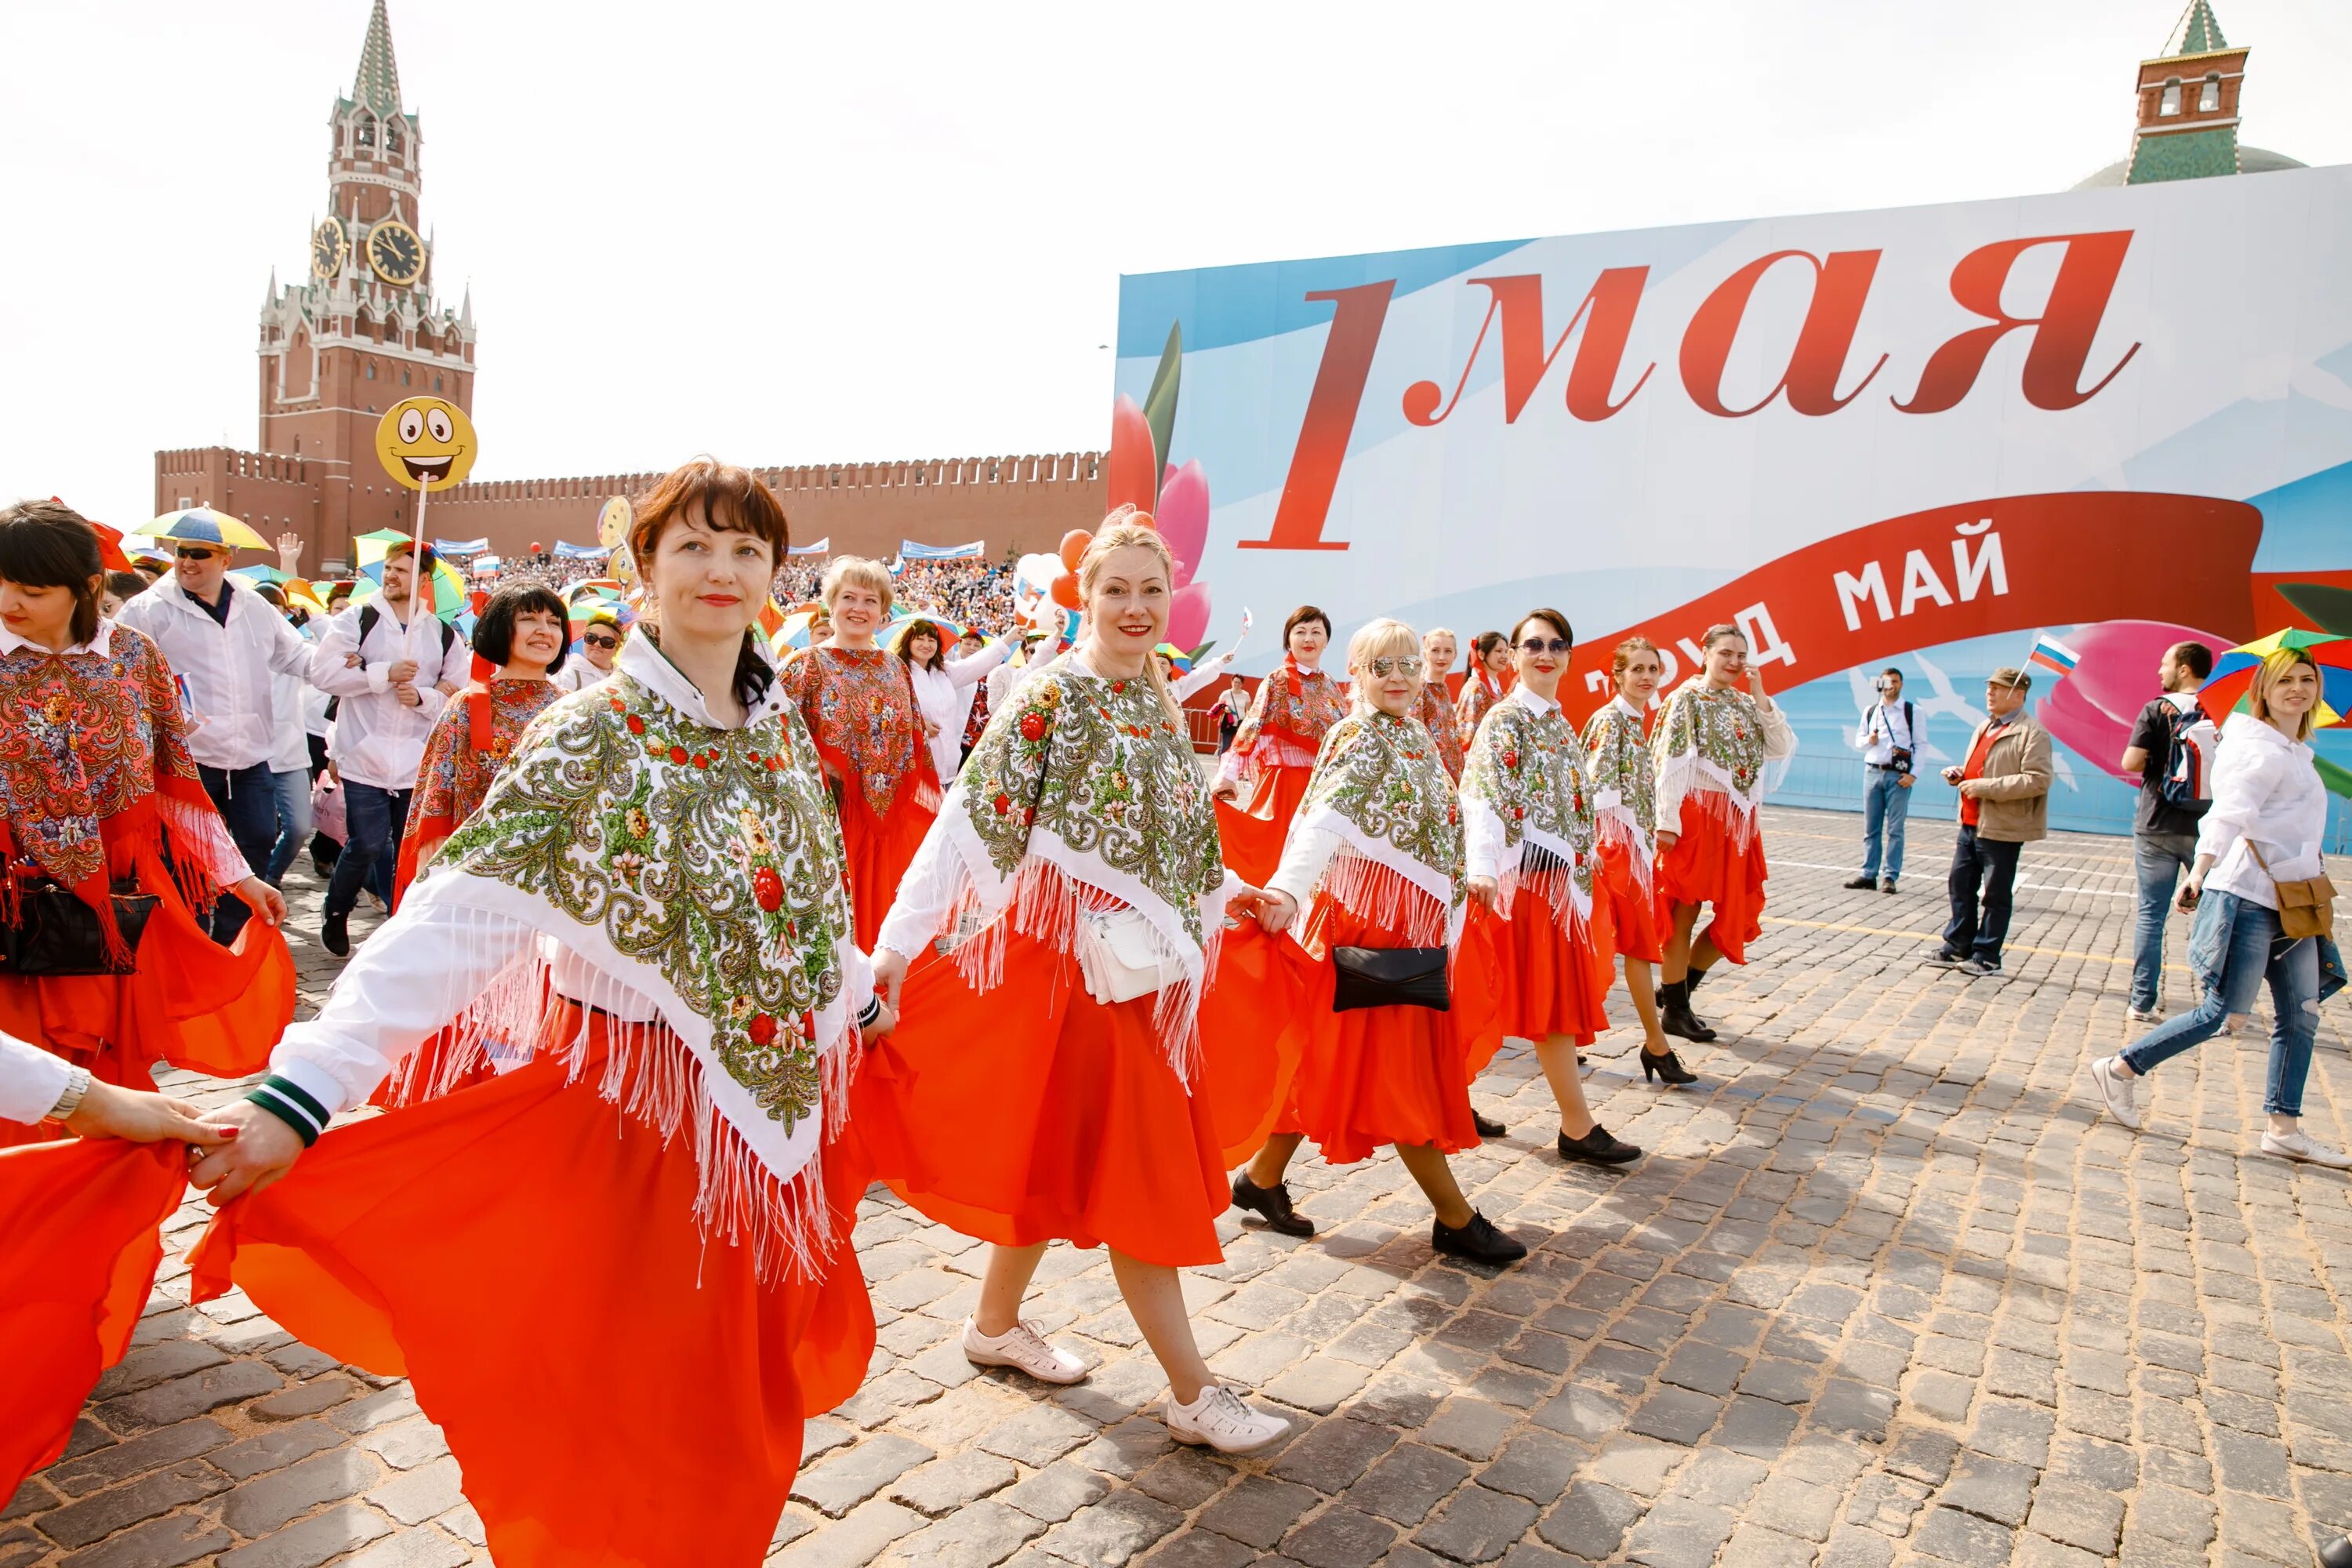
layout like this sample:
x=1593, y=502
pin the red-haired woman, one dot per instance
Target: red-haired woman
x=1051, y=1079
x=1486, y=683
x=1626, y=816
x=858, y=702
x=1710, y=746
x=1273, y=755
x=522, y=635
x=1527, y=817
x=104, y=822
x=651, y=893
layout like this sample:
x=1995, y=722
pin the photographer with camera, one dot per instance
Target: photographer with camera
x=1888, y=738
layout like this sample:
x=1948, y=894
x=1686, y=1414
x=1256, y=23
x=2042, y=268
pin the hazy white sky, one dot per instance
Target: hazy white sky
x=801, y=233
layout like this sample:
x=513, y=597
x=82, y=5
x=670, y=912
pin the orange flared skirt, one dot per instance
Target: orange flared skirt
x=616, y=1387
x=1712, y=865
x=1375, y=1076
x=80, y=1239
x=1548, y=981
x=1634, y=919
x=1031, y=1112
x=1252, y=835
x=878, y=850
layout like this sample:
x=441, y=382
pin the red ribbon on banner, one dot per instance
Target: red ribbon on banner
x=1972, y=570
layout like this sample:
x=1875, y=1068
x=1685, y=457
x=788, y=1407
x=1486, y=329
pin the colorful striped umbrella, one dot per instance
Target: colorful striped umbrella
x=2226, y=691
x=203, y=525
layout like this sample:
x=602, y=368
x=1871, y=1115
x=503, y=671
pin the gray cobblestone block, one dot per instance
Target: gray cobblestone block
x=945, y=1365
x=98, y=1516
x=1477, y=1525
x=1536, y=1466
x=948, y=1483
x=2078, y=1516
x=297, y=1359
x=1127, y=1448
x=1676, y=1531
x=268, y=1500
x=979, y=1536
x=1184, y=1478
x=1332, y=1456
x=1318, y=1383
x=421, y=1548
x=1964, y=1538
x=160, y=1543
x=405, y=1445
x=1258, y=1510
x=148, y=1365
x=2008, y=1430
x=1407, y=1482
x=312, y=1542
x=1996, y=1489
x=1924, y=1456
x=1591, y=1520
x=381, y=1408
x=1196, y=1549
x=426, y=1492
x=840, y=1483
x=1675, y=1415
x=1470, y=1428
x=1058, y=1491
x=276, y=1449
x=1340, y=1537
x=86, y=1473
x=306, y=1398
x=853, y=1542
x=1113, y=1531
x=1037, y=1435
x=185, y=1398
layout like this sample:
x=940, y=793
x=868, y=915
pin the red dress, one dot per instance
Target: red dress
x=1272, y=756
x=1624, y=794
x=469, y=743
x=97, y=790
x=859, y=707
x=1709, y=750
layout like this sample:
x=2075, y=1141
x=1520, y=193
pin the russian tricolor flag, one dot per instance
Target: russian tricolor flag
x=2053, y=655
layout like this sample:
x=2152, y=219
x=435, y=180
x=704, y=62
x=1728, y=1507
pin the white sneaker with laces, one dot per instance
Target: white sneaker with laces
x=2305, y=1147
x=2116, y=1092
x=1220, y=1419
x=2146, y=1015
x=1023, y=1347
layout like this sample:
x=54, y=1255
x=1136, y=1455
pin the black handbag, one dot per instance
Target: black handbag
x=56, y=934
x=1390, y=977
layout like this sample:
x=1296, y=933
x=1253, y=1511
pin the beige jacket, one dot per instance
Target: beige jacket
x=2015, y=807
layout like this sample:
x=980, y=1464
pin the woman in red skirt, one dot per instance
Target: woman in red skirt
x=1709, y=747
x=1374, y=858
x=617, y=1276
x=1526, y=812
x=1435, y=706
x=1625, y=805
x=1273, y=752
x=80, y=1238
x=101, y=807
x=1050, y=1082
x=857, y=700
x=1487, y=682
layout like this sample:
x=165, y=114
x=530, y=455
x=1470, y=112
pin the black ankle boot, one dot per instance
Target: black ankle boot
x=1487, y=1127
x=1675, y=1015
x=1477, y=1242
x=1273, y=1203
x=1598, y=1147
x=1666, y=1066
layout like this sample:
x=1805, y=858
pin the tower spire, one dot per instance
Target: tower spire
x=377, y=85
x=2199, y=32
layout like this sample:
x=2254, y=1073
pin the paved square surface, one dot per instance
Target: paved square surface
x=1884, y=1291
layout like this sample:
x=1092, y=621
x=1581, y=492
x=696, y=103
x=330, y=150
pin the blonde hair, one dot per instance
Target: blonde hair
x=2275, y=665
x=1373, y=640
x=1129, y=529
x=857, y=571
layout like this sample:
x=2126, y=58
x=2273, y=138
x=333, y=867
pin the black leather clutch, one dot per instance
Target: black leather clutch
x=57, y=934
x=1390, y=977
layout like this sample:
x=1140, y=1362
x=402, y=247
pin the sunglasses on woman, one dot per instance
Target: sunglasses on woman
x=1385, y=666
x=601, y=641
x=1554, y=646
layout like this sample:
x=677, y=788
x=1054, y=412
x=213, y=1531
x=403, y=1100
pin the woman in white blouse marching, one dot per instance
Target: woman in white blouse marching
x=943, y=686
x=2265, y=828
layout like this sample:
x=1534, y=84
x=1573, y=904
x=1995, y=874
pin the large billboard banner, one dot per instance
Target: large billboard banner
x=1919, y=438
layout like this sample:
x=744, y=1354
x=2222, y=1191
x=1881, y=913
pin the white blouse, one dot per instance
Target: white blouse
x=31, y=1079
x=2266, y=791
x=944, y=697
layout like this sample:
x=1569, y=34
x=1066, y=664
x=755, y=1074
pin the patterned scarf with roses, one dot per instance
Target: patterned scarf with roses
x=1529, y=770
x=1708, y=747
x=1379, y=788
x=701, y=868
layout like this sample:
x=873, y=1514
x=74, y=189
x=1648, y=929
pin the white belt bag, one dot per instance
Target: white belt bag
x=1121, y=957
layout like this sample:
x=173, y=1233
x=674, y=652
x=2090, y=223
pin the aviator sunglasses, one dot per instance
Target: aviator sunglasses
x=1546, y=644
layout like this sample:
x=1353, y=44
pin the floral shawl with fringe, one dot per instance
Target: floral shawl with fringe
x=1527, y=769
x=1625, y=784
x=1379, y=789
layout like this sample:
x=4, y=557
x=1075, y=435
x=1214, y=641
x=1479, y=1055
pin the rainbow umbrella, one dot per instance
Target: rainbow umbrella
x=902, y=616
x=794, y=632
x=2226, y=691
x=1176, y=656
x=203, y=525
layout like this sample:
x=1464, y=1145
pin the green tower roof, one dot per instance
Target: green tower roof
x=378, y=82
x=2197, y=33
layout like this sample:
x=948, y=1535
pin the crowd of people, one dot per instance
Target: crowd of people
x=959, y=914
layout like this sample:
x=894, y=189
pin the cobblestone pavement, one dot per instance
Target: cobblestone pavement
x=1883, y=1292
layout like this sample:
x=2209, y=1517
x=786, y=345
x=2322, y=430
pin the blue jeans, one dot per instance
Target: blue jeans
x=1885, y=807
x=2159, y=859
x=1989, y=862
x=293, y=791
x=249, y=805
x=374, y=818
x=2235, y=947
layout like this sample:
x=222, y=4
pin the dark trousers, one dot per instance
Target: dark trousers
x=375, y=819
x=1992, y=863
x=247, y=801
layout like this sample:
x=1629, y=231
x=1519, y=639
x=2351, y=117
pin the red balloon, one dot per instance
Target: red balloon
x=1073, y=545
x=1065, y=590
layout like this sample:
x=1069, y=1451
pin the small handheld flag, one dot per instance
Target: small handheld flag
x=2053, y=655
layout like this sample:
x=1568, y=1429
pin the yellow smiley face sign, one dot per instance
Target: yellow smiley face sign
x=612, y=522
x=426, y=443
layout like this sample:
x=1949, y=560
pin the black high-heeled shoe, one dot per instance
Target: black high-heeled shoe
x=1666, y=1066
x=1488, y=1126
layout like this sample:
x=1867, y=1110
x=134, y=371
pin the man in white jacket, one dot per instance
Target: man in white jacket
x=223, y=643
x=391, y=664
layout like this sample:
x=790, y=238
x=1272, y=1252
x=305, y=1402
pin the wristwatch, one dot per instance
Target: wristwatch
x=77, y=1085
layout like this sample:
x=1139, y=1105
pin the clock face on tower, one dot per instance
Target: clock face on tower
x=327, y=250
x=395, y=252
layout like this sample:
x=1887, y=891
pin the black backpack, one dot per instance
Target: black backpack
x=369, y=616
x=2185, y=783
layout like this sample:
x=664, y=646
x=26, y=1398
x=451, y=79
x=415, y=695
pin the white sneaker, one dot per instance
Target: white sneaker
x=1023, y=1347
x=2305, y=1147
x=2146, y=1014
x=2116, y=1092
x=1221, y=1420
